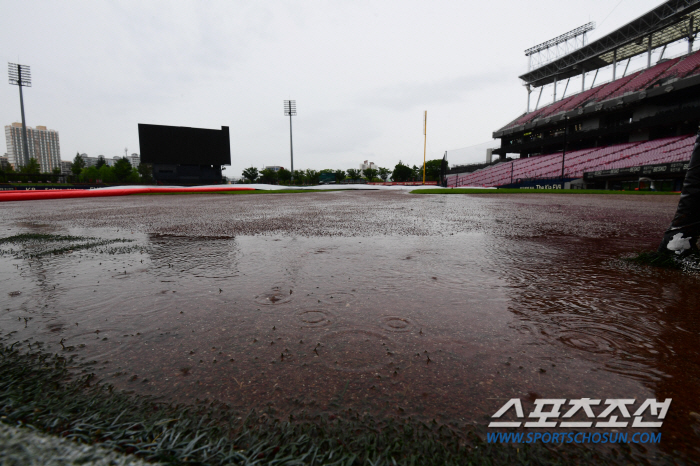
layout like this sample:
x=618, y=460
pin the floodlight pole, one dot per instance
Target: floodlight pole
x=290, y=108
x=24, y=123
x=291, y=146
x=16, y=78
x=425, y=139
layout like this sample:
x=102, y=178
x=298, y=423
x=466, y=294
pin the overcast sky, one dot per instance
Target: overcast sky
x=362, y=72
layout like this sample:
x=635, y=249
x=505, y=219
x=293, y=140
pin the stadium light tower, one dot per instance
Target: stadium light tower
x=290, y=110
x=425, y=139
x=21, y=75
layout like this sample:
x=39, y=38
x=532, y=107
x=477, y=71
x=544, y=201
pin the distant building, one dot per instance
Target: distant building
x=89, y=161
x=367, y=165
x=92, y=161
x=133, y=159
x=4, y=162
x=65, y=167
x=274, y=168
x=43, y=145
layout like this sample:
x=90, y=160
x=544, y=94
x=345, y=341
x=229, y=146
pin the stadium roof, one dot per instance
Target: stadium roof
x=666, y=23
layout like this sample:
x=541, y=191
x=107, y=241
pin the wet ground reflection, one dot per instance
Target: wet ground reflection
x=386, y=303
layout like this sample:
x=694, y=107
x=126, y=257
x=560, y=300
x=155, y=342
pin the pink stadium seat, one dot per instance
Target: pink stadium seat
x=632, y=154
x=689, y=66
x=644, y=78
x=680, y=67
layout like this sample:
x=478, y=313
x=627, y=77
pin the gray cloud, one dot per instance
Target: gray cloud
x=402, y=96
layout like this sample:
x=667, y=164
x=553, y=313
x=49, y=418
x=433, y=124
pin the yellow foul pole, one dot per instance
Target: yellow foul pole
x=425, y=139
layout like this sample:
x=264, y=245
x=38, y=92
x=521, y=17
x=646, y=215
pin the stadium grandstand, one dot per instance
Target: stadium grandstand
x=633, y=130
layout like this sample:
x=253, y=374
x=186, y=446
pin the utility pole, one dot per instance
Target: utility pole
x=20, y=75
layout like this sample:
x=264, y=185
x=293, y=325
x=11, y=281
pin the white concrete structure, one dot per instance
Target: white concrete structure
x=367, y=165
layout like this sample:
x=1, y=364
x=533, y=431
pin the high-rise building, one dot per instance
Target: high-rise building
x=42, y=143
x=66, y=167
x=133, y=159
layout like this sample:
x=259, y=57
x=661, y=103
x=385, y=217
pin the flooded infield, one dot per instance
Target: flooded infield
x=435, y=307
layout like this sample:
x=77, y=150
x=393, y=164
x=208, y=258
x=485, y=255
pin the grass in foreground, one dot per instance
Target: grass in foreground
x=655, y=259
x=36, y=245
x=689, y=263
x=536, y=191
x=57, y=395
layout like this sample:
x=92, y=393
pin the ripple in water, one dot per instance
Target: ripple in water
x=396, y=324
x=587, y=342
x=338, y=298
x=276, y=295
x=314, y=317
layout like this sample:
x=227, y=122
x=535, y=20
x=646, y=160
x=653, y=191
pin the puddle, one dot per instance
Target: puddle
x=399, y=306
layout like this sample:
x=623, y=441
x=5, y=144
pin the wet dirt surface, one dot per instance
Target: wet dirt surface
x=435, y=307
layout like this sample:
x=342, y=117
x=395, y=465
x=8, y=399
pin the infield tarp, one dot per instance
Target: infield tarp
x=27, y=195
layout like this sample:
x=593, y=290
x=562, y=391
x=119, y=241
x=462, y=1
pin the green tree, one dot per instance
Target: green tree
x=250, y=174
x=145, y=173
x=31, y=168
x=89, y=175
x=78, y=164
x=312, y=176
x=402, y=172
x=133, y=177
x=417, y=173
x=100, y=161
x=432, y=170
x=122, y=169
x=268, y=175
x=339, y=175
x=284, y=176
x=383, y=173
x=106, y=174
x=354, y=174
x=56, y=171
x=299, y=177
x=370, y=173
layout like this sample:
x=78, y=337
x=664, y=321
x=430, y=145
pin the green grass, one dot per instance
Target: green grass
x=689, y=263
x=537, y=191
x=75, y=243
x=653, y=258
x=27, y=237
x=54, y=393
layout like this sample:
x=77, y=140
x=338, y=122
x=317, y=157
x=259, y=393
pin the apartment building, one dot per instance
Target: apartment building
x=43, y=145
